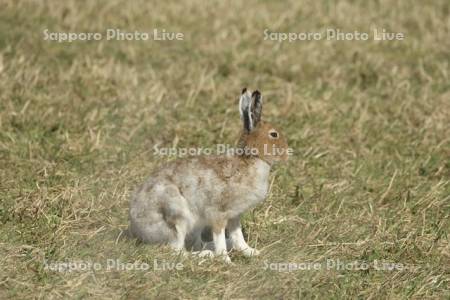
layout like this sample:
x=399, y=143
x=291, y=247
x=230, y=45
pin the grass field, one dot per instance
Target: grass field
x=369, y=181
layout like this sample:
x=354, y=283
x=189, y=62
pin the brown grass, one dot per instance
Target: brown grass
x=369, y=123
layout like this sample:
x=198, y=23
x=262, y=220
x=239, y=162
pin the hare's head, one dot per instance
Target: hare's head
x=259, y=138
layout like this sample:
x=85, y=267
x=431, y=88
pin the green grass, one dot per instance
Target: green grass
x=368, y=121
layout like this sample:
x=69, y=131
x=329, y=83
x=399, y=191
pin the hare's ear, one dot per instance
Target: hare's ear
x=245, y=102
x=256, y=107
x=250, y=108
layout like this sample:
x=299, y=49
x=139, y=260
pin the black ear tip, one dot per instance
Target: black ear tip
x=256, y=94
x=244, y=90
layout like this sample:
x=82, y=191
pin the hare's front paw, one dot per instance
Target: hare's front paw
x=250, y=252
x=223, y=255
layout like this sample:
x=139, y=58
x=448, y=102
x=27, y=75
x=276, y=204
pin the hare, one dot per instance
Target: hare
x=185, y=196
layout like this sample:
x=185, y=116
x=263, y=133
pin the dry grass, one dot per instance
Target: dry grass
x=369, y=122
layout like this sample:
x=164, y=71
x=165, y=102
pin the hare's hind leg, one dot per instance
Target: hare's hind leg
x=153, y=231
x=161, y=218
x=180, y=230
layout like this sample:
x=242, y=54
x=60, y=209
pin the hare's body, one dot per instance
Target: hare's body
x=185, y=196
x=190, y=194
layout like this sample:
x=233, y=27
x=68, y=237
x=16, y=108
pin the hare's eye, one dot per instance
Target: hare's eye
x=273, y=134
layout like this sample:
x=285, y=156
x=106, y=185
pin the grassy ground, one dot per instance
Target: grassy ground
x=368, y=121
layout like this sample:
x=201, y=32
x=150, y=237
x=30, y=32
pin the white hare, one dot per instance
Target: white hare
x=185, y=196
